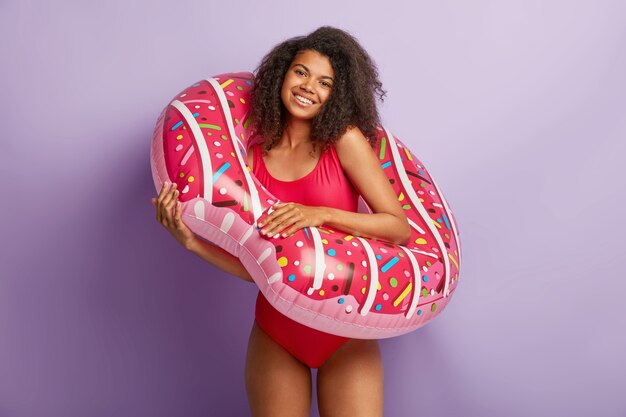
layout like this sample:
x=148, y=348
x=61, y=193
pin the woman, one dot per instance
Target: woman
x=313, y=113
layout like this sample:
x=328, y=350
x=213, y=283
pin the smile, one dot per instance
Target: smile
x=303, y=100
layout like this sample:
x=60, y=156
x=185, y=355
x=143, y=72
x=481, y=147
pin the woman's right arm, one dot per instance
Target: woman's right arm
x=169, y=215
x=219, y=257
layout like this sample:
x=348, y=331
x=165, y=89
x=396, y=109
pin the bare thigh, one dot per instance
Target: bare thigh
x=350, y=383
x=277, y=384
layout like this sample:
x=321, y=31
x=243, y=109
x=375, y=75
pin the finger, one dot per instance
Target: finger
x=284, y=221
x=293, y=229
x=164, y=189
x=170, y=197
x=272, y=217
x=178, y=215
x=169, y=206
x=154, y=200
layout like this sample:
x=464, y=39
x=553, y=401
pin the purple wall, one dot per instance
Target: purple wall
x=517, y=108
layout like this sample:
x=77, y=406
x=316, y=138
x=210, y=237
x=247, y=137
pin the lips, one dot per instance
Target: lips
x=303, y=100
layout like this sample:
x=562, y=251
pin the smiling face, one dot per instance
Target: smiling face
x=307, y=84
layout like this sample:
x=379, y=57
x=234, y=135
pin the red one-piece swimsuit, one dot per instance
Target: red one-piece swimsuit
x=328, y=186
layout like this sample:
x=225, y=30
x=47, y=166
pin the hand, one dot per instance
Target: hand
x=169, y=215
x=293, y=216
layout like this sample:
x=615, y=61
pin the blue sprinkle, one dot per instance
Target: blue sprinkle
x=420, y=172
x=291, y=278
x=341, y=300
x=177, y=125
x=378, y=307
x=306, y=232
x=332, y=252
x=220, y=171
x=386, y=164
x=389, y=264
x=248, y=82
x=379, y=257
x=438, y=220
x=445, y=219
x=425, y=278
x=419, y=312
x=196, y=84
x=196, y=114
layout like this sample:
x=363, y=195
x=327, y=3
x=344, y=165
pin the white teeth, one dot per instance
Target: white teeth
x=303, y=99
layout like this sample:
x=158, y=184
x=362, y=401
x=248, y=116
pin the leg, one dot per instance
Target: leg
x=277, y=384
x=350, y=383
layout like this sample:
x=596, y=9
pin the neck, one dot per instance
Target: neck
x=297, y=132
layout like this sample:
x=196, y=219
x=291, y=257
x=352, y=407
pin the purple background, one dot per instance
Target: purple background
x=517, y=108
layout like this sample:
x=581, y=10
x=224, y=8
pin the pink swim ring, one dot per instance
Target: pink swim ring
x=325, y=279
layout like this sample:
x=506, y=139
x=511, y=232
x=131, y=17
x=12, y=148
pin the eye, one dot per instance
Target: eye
x=325, y=84
x=300, y=72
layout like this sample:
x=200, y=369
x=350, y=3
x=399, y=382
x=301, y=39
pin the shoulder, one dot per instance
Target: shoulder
x=352, y=147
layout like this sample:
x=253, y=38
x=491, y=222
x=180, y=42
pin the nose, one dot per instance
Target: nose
x=306, y=85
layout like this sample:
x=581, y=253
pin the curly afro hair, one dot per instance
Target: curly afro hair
x=352, y=101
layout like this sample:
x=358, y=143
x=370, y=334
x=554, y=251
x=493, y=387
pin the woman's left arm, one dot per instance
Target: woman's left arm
x=387, y=221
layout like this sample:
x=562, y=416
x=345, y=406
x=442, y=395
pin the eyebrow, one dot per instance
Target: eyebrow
x=323, y=76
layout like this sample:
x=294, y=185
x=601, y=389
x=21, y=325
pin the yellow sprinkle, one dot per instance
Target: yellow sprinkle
x=190, y=178
x=226, y=83
x=401, y=196
x=179, y=137
x=453, y=260
x=402, y=296
x=282, y=261
x=408, y=154
x=322, y=292
x=243, y=137
x=363, y=290
x=232, y=154
x=348, y=238
x=242, y=100
x=379, y=287
x=436, y=224
x=421, y=200
x=420, y=241
x=324, y=241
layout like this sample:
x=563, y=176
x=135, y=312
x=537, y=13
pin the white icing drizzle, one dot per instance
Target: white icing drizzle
x=198, y=210
x=254, y=194
x=320, y=265
x=410, y=192
x=417, y=282
x=200, y=145
x=227, y=222
x=373, y=265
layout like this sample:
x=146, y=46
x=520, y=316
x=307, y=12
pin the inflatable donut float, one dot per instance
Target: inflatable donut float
x=323, y=278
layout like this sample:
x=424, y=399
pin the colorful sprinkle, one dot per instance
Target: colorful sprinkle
x=386, y=164
x=291, y=278
x=209, y=126
x=341, y=300
x=220, y=171
x=282, y=261
x=389, y=264
x=393, y=282
x=402, y=296
x=331, y=252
